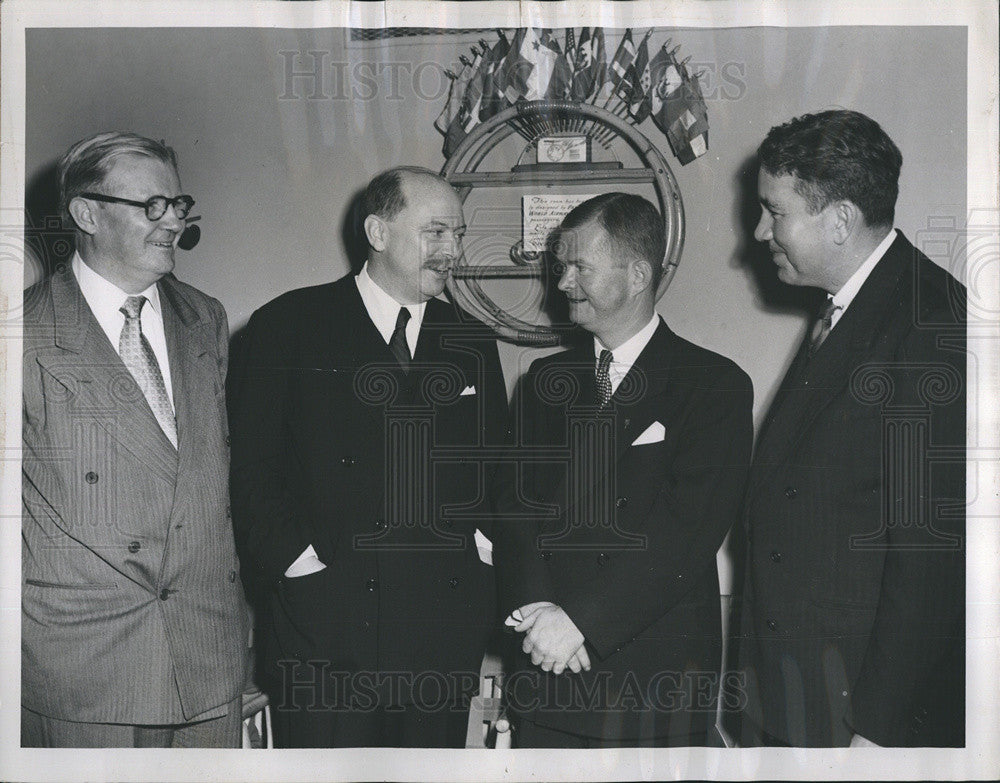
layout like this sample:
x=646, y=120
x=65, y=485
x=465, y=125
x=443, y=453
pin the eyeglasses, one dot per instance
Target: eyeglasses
x=156, y=206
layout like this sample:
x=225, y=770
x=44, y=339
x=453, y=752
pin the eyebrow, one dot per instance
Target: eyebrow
x=445, y=224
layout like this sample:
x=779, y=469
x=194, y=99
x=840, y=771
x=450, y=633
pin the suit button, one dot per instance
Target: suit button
x=347, y=461
x=602, y=558
x=228, y=441
x=621, y=502
x=546, y=555
x=91, y=477
x=453, y=582
x=776, y=556
x=772, y=624
x=164, y=594
x=232, y=576
x=229, y=512
x=371, y=585
x=134, y=547
x=791, y=492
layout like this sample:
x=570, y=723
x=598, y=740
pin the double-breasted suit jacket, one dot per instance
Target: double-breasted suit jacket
x=133, y=611
x=855, y=511
x=623, y=534
x=385, y=475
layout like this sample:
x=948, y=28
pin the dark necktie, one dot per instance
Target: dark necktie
x=603, y=378
x=397, y=343
x=822, y=326
x=138, y=356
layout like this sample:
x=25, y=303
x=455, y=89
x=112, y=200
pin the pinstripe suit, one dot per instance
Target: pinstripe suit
x=133, y=610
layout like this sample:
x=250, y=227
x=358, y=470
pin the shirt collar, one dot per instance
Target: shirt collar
x=626, y=353
x=843, y=298
x=382, y=308
x=103, y=297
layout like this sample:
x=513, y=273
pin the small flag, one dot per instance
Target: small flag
x=621, y=67
x=455, y=93
x=680, y=113
x=639, y=101
x=493, y=100
x=517, y=68
x=590, y=65
x=468, y=110
x=561, y=77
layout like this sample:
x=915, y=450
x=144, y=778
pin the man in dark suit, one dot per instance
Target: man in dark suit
x=631, y=456
x=134, y=627
x=360, y=411
x=853, y=621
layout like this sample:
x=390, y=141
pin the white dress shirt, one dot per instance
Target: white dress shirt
x=384, y=310
x=843, y=298
x=624, y=356
x=105, y=300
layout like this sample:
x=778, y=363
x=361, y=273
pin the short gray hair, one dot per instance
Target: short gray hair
x=86, y=164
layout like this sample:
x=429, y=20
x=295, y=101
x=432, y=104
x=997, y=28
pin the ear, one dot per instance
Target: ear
x=844, y=220
x=84, y=214
x=642, y=275
x=375, y=231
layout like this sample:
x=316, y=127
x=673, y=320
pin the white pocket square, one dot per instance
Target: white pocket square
x=652, y=434
x=484, y=546
x=467, y=391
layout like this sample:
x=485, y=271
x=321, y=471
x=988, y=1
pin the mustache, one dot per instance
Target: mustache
x=441, y=262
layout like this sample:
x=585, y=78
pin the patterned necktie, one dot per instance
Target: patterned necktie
x=138, y=356
x=822, y=326
x=603, y=378
x=397, y=343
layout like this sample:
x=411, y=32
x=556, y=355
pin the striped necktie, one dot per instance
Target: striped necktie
x=138, y=356
x=603, y=377
x=821, y=329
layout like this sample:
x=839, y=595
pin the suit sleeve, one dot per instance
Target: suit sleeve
x=697, y=503
x=221, y=336
x=493, y=426
x=521, y=574
x=916, y=647
x=269, y=534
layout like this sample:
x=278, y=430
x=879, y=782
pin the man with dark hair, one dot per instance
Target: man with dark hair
x=134, y=628
x=631, y=455
x=853, y=620
x=360, y=410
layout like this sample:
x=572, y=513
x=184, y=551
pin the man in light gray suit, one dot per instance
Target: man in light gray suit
x=134, y=626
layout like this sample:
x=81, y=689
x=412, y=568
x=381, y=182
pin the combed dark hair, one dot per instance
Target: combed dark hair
x=383, y=195
x=632, y=223
x=834, y=155
x=86, y=164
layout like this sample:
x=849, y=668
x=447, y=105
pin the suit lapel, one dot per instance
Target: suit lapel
x=635, y=404
x=637, y=400
x=812, y=384
x=353, y=344
x=194, y=370
x=102, y=389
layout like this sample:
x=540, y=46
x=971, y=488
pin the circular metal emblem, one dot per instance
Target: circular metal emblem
x=507, y=259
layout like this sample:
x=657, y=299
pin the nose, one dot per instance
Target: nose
x=763, y=231
x=567, y=280
x=170, y=221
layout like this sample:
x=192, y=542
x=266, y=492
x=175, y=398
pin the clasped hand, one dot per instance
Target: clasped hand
x=551, y=638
